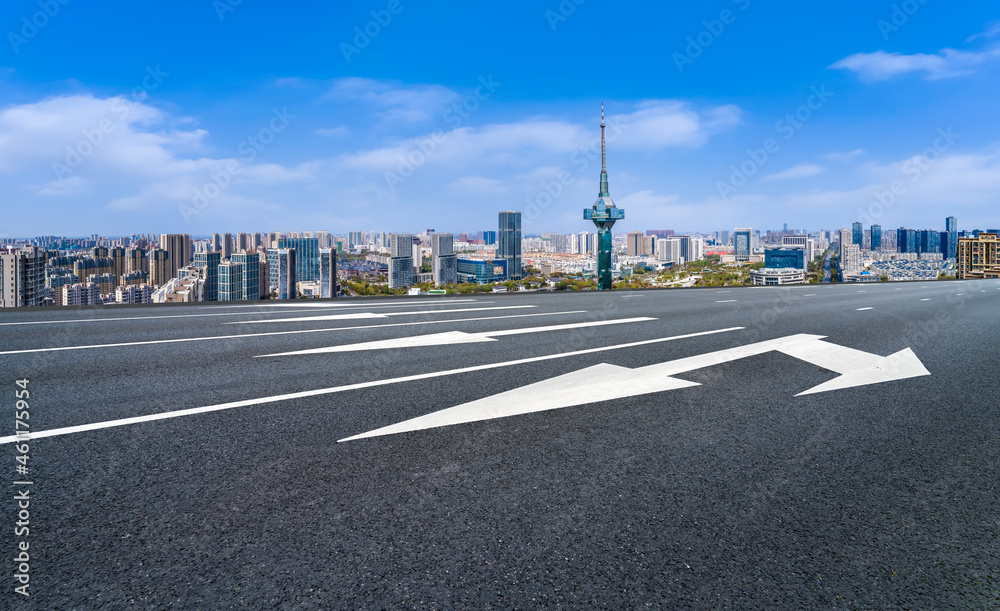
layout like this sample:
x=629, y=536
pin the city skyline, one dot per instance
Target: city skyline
x=820, y=138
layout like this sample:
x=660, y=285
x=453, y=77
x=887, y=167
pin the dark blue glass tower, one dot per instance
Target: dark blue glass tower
x=604, y=214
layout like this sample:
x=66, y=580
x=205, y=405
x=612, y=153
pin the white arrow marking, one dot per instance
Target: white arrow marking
x=358, y=315
x=96, y=426
x=857, y=368
x=606, y=382
x=453, y=337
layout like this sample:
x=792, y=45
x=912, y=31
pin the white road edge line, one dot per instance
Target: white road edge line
x=312, y=309
x=452, y=338
x=338, y=389
x=362, y=315
x=204, y=339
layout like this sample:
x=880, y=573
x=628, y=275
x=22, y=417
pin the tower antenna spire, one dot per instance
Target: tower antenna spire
x=604, y=166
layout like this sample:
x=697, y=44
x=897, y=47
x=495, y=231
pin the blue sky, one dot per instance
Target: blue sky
x=201, y=116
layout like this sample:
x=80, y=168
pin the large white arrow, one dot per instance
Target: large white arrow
x=605, y=382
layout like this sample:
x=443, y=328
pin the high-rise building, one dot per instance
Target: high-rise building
x=949, y=239
x=264, y=279
x=930, y=241
x=724, y=237
x=979, y=257
x=216, y=243
x=355, y=239
x=22, y=278
x=444, y=262
x=906, y=240
x=509, y=243
x=250, y=283
x=283, y=267
x=327, y=272
x=604, y=215
x=668, y=250
x=307, y=257
x=858, y=236
x=209, y=262
x=230, y=281
x=401, y=260
x=743, y=243
x=876, y=237
x=227, y=245
x=633, y=244
x=159, y=269
x=178, y=247
x=490, y=238
x=119, y=264
x=418, y=257
x=135, y=261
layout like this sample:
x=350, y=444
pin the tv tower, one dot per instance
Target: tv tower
x=604, y=214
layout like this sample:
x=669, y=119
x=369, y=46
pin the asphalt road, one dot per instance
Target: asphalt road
x=731, y=494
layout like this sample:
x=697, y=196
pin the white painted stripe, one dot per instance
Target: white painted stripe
x=864, y=309
x=452, y=337
x=810, y=295
x=218, y=337
x=120, y=318
x=338, y=389
x=925, y=300
x=357, y=315
x=727, y=301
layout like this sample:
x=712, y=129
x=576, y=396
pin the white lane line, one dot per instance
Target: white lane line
x=357, y=315
x=727, y=301
x=810, y=295
x=864, y=309
x=338, y=389
x=925, y=300
x=453, y=337
x=367, y=307
x=218, y=337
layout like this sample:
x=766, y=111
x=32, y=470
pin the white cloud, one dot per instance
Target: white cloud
x=658, y=124
x=948, y=63
x=990, y=32
x=844, y=156
x=803, y=170
x=341, y=131
x=395, y=102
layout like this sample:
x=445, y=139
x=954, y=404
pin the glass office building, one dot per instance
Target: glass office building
x=282, y=267
x=209, y=261
x=307, y=257
x=509, y=243
x=250, y=284
x=482, y=271
x=785, y=257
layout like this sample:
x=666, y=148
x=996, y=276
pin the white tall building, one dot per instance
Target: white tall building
x=668, y=250
x=22, y=278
